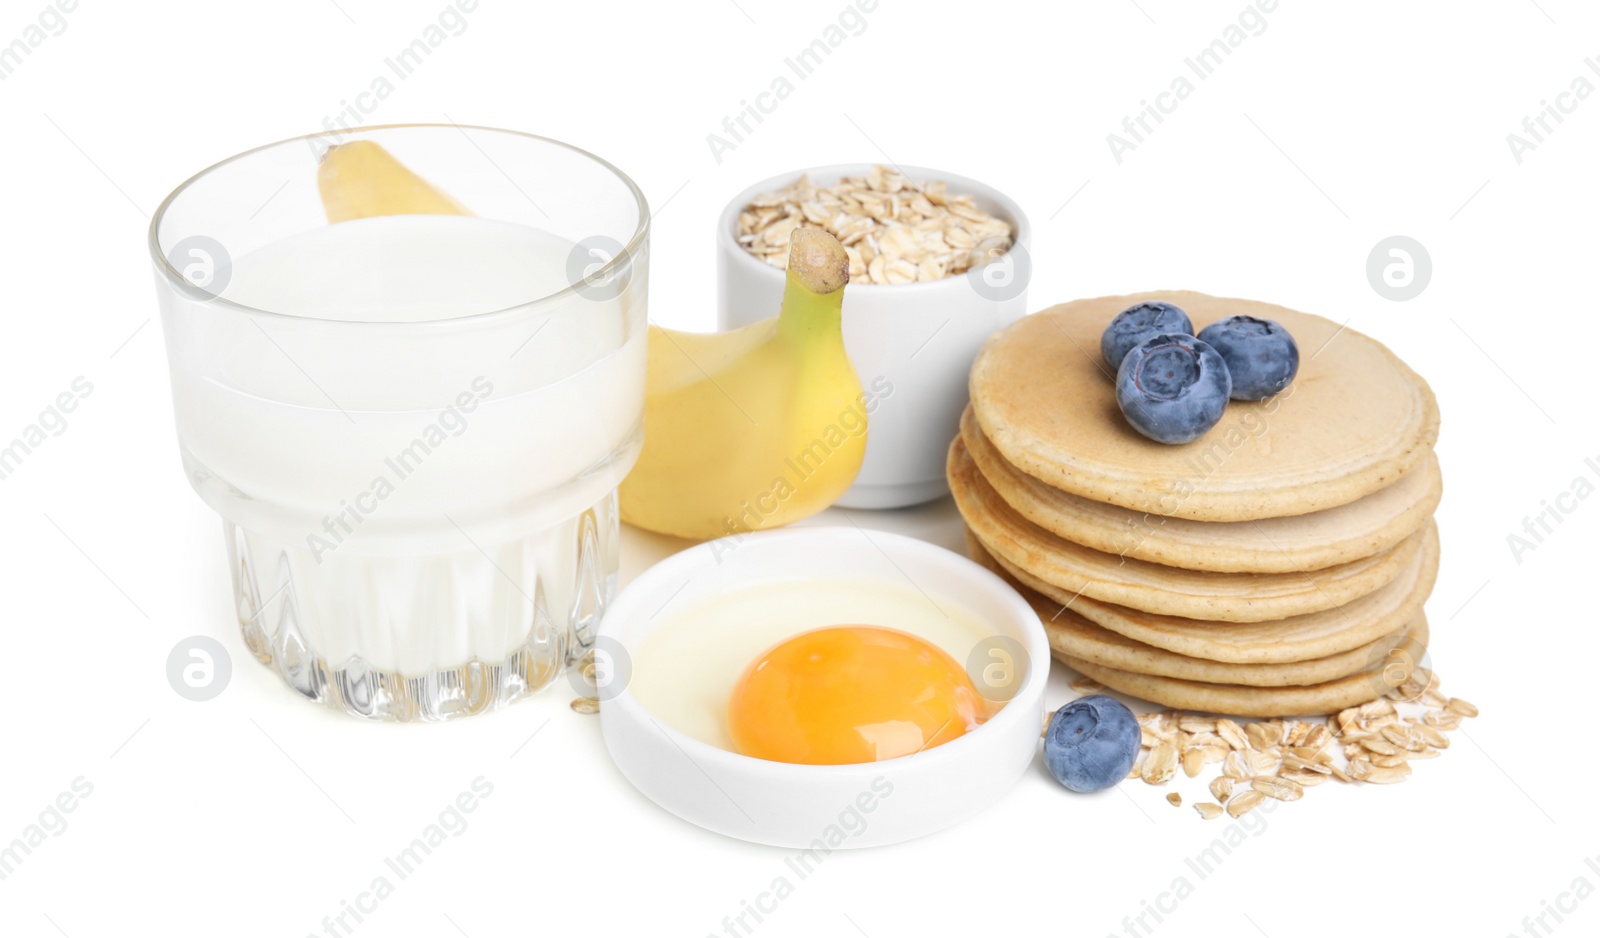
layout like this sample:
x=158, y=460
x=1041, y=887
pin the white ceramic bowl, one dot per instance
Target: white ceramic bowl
x=917, y=340
x=791, y=805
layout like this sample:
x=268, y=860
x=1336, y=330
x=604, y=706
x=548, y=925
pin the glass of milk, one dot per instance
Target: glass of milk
x=412, y=426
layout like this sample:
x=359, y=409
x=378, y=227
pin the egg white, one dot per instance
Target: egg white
x=685, y=670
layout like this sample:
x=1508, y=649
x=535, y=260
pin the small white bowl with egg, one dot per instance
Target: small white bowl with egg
x=675, y=642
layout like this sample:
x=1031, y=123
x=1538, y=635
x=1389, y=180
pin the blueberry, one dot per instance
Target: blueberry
x=1173, y=388
x=1262, y=356
x=1091, y=743
x=1140, y=322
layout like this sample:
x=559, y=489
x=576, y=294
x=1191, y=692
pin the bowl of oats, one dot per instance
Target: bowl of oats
x=938, y=262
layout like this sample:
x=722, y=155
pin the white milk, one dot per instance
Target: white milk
x=430, y=499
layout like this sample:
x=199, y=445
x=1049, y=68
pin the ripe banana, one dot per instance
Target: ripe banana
x=744, y=430
x=360, y=179
x=757, y=427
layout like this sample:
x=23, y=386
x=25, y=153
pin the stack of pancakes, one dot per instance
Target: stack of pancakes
x=1276, y=566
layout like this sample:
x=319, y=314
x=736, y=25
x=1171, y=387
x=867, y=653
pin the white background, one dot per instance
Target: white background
x=1339, y=125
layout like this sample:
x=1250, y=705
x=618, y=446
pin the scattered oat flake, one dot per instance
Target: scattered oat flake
x=1265, y=734
x=1405, y=736
x=1294, y=763
x=1264, y=763
x=1386, y=774
x=1161, y=764
x=1232, y=734
x=1280, y=759
x=1444, y=719
x=1278, y=787
x=1382, y=747
x=1084, y=685
x=1245, y=802
x=1434, y=736
x=586, y=704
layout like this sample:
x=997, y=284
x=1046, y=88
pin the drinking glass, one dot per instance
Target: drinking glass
x=412, y=424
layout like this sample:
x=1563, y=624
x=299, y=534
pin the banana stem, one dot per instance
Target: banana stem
x=814, y=287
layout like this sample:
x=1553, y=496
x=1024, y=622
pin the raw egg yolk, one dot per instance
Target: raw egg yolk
x=851, y=694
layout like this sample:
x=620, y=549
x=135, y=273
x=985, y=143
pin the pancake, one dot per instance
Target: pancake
x=1312, y=541
x=1354, y=421
x=1385, y=674
x=1300, y=638
x=1297, y=638
x=1073, y=636
x=1055, y=566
